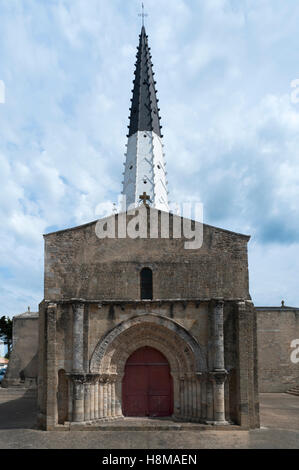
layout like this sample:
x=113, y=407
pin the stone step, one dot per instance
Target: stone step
x=125, y=427
x=294, y=390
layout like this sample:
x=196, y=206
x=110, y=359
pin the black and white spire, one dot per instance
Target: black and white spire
x=145, y=167
x=144, y=110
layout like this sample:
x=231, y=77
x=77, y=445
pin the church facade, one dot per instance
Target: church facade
x=142, y=326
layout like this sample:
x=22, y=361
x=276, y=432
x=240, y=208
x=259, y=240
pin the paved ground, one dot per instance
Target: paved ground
x=279, y=421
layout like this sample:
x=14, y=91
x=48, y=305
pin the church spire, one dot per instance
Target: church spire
x=144, y=110
x=145, y=167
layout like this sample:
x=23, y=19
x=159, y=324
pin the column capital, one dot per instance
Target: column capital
x=92, y=378
x=77, y=378
x=76, y=304
x=103, y=378
x=218, y=376
x=112, y=378
x=218, y=301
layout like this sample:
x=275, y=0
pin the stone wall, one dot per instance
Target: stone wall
x=92, y=294
x=80, y=265
x=23, y=363
x=277, y=327
x=194, y=316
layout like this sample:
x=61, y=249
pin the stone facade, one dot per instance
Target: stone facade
x=201, y=319
x=277, y=327
x=23, y=363
x=80, y=265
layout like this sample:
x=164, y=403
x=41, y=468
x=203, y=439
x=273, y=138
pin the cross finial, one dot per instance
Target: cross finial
x=143, y=15
x=144, y=197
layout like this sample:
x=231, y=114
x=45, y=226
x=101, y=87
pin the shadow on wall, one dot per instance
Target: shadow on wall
x=19, y=412
x=26, y=377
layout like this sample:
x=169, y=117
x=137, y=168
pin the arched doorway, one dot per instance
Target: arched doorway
x=147, y=384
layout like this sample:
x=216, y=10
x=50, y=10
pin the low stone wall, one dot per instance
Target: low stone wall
x=23, y=364
x=277, y=328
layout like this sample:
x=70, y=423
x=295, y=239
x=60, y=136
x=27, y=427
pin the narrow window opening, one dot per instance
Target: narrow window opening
x=146, y=284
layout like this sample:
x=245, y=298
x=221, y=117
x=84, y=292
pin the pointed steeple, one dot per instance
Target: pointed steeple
x=145, y=172
x=144, y=110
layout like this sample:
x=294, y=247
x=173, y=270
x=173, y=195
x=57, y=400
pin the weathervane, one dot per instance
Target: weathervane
x=143, y=14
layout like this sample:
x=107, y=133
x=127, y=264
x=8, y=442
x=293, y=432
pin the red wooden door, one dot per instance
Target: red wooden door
x=147, y=384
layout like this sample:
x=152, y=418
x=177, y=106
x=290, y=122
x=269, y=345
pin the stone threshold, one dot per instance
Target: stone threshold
x=146, y=424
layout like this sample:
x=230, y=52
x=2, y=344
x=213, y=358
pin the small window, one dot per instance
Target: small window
x=146, y=284
x=131, y=167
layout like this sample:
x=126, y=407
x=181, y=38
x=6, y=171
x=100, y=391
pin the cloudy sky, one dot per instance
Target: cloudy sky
x=230, y=122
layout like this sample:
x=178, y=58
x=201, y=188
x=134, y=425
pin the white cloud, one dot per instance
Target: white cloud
x=223, y=71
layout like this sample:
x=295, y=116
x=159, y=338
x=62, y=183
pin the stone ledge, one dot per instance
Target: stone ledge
x=123, y=424
x=119, y=302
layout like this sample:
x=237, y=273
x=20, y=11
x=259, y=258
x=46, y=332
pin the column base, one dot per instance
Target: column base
x=94, y=422
x=218, y=423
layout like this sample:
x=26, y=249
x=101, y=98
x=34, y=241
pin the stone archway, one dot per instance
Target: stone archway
x=185, y=356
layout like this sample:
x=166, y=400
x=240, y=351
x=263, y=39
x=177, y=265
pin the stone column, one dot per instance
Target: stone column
x=96, y=397
x=218, y=375
x=77, y=374
x=92, y=400
x=87, y=400
x=190, y=399
x=105, y=399
x=182, y=401
x=186, y=409
x=109, y=388
x=102, y=380
x=112, y=395
x=198, y=395
x=194, y=394
x=218, y=335
x=210, y=407
x=218, y=379
x=78, y=397
x=78, y=313
x=118, y=397
x=70, y=398
x=203, y=396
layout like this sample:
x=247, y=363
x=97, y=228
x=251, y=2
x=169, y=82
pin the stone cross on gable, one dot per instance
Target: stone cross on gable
x=144, y=197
